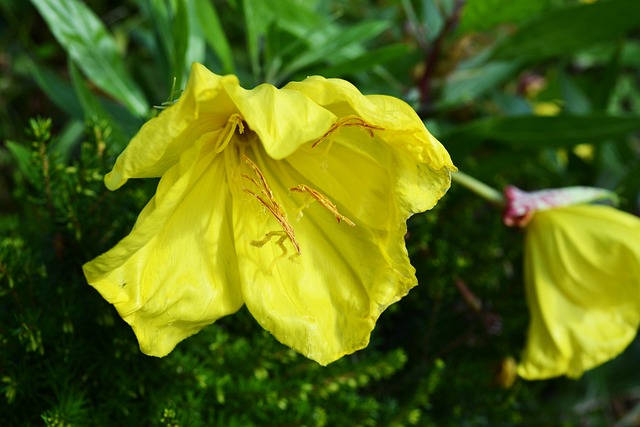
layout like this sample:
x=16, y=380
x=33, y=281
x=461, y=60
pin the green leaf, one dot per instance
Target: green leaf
x=481, y=15
x=214, y=34
x=181, y=31
x=466, y=84
x=56, y=89
x=337, y=46
x=89, y=101
x=256, y=19
x=92, y=48
x=540, y=131
x=366, y=61
x=22, y=157
x=568, y=30
x=67, y=140
x=575, y=100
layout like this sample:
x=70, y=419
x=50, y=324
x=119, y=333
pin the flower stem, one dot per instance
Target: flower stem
x=480, y=188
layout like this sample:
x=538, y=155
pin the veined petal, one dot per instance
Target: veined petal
x=323, y=302
x=203, y=107
x=419, y=160
x=283, y=119
x=177, y=270
x=582, y=274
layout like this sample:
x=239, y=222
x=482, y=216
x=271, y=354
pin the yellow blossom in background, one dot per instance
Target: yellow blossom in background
x=582, y=278
x=292, y=201
x=546, y=108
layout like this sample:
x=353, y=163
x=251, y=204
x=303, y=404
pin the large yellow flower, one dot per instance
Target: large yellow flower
x=292, y=201
x=582, y=278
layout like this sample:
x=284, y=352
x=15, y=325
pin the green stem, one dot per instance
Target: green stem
x=480, y=188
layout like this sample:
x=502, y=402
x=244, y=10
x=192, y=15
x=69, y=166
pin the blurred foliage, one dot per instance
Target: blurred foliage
x=537, y=93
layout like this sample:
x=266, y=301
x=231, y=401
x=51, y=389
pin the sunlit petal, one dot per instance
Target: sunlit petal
x=177, y=270
x=582, y=276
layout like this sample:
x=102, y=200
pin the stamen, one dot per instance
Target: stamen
x=267, y=199
x=324, y=201
x=282, y=236
x=344, y=122
x=235, y=121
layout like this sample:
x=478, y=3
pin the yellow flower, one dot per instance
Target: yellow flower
x=582, y=278
x=292, y=201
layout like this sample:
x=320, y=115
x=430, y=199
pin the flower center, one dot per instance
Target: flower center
x=234, y=122
x=256, y=185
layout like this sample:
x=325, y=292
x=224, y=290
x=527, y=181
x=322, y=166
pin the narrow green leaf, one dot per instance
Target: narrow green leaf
x=22, y=157
x=568, y=30
x=336, y=46
x=180, y=34
x=92, y=48
x=67, y=140
x=366, y=61
x=604, y=90
x=56, y=89
x=214, y=34
x=88, y=100
x=257, y=18
x=196, y=44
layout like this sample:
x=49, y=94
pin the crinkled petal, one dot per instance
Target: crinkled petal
x=582, y=273
x=421, y=164
x=283, y=119
x=324, y=302
x=203, y=107
x=177, y=270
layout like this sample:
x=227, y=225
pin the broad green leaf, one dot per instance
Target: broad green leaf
x=540, y=132
x=481, y=15
x=574, y=99
x=297, y=18
x=92, y=48
x=214, y=34
x=468, y=83
x=432, y=18
x=567, y=30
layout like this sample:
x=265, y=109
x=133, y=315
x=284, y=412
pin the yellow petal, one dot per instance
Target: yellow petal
x=177, y=270
x=203, y=107
x=283, y=119
x=302, y=216
x=324, y=301
x=582, y=271
x=420, y=163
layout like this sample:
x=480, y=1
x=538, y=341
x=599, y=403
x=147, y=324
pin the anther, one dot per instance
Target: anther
x=345, y=122
x=324, y=201
x=266, y=198
x=235, y=121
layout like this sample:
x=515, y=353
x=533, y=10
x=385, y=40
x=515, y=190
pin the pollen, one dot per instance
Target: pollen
x=265, y=196
x=347, y=121
x=323, y=200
